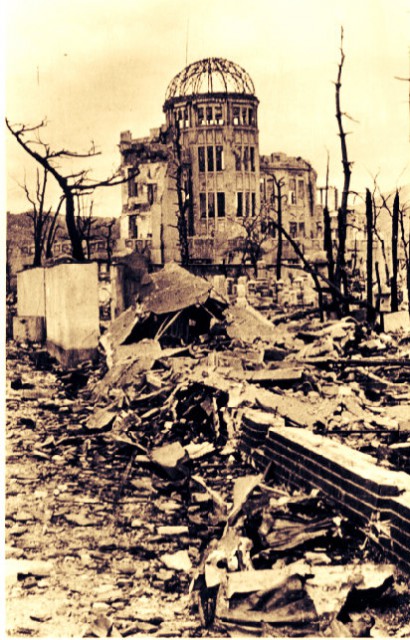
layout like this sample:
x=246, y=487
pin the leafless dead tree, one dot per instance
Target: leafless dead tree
x=71, y=184
x=275, y=205
x=340, y=278
x=180, y=171
x=44, y=221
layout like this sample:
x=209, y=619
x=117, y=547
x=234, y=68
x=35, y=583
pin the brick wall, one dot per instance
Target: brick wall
x=369, y=494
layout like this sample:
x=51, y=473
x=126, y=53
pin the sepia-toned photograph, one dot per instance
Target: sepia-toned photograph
x=207, y=349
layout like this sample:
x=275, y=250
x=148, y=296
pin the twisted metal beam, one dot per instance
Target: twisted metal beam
x=210, y=75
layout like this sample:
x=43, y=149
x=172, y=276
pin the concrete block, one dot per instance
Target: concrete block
x=31, y=299
x=220, y=285
x=29, y=329
x=241, y=290
x=397, y=321
x=72, y=312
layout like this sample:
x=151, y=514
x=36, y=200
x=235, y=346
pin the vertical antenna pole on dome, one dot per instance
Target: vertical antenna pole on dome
x=187, y=40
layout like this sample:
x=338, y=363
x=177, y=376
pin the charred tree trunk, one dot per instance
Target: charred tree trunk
x=408, y=284
x=369, y=256
x=183, y=190
x=394, y=250
x=38, y=246
x=379, y=286
x=280, y=238
x=77, y=248
x=340, y=273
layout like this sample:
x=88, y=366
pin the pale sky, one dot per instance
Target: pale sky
x=95, y=68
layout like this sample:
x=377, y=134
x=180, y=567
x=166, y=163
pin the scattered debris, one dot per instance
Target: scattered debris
x=142, y=451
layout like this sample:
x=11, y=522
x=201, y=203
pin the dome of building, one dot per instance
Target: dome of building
x=211, y=75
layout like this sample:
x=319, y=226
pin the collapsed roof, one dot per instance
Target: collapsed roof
x=210, y=75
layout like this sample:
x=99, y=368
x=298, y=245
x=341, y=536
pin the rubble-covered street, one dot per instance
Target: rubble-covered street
x=134, y=504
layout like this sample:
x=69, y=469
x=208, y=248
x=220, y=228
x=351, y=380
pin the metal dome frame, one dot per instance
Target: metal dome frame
x=201, y=77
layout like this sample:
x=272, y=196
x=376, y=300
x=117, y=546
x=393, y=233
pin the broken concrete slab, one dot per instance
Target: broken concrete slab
x=101, y=419
x=257, y=580
x=333, y=588
x=279, y=602
x=172, y=289
x=283, y=377
x=179, y=561
x=169, y=457
x=398, y=321
x=19, y=567
x=249, y=325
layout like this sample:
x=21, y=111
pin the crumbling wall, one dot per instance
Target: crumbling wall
x=376, y=498
x=72, y=312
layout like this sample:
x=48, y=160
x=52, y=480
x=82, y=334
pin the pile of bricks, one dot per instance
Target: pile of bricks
x=366, y=492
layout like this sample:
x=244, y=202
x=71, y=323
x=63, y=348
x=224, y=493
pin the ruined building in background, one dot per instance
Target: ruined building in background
x=289, y=184
x=211, y=138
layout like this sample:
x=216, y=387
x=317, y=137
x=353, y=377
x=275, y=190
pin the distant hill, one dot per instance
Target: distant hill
x=20, y=229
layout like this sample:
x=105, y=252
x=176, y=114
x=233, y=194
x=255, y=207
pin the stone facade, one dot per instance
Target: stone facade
x=212, y=107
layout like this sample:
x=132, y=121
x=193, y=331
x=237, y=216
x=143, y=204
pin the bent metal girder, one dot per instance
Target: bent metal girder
x=210, y=75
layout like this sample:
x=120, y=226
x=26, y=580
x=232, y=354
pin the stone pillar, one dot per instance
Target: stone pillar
x=72, y=312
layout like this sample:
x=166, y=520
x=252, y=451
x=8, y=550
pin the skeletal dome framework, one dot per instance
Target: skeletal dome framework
x=210, y=75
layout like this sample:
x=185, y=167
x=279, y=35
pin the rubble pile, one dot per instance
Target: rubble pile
x=140, y=462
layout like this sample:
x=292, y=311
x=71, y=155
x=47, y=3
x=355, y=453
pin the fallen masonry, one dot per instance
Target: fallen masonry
x=150, y=489
x=371, y=495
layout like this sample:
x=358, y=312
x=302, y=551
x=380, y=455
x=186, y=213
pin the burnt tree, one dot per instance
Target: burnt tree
x=44, y=221
x=180, y=170
x=340, y=278
x=369, y=256
x=404, y=226
x=275, y=205
x=258, y=229
x=71, y=184
x=394, y=252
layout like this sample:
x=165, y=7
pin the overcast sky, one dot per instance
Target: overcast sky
x=95, y=68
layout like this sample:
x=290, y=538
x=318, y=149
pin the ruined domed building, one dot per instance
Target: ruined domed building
x=205, y=163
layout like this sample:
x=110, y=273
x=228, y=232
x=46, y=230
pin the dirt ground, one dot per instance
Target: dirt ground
x=63, y=508
x=85, y=555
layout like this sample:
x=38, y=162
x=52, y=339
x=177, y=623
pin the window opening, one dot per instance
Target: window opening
x=132, y=185
x=219, y=119
x=247, y=203
x=221, y=204
x=252, y=157
x=210, y=155
x=219, y=158
x=202, y=205
x=301, y=190
x=132, y=227
x=238, y=159
x=211, y=205
x=246, y=158
x=201, y=159
x=239, y=204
